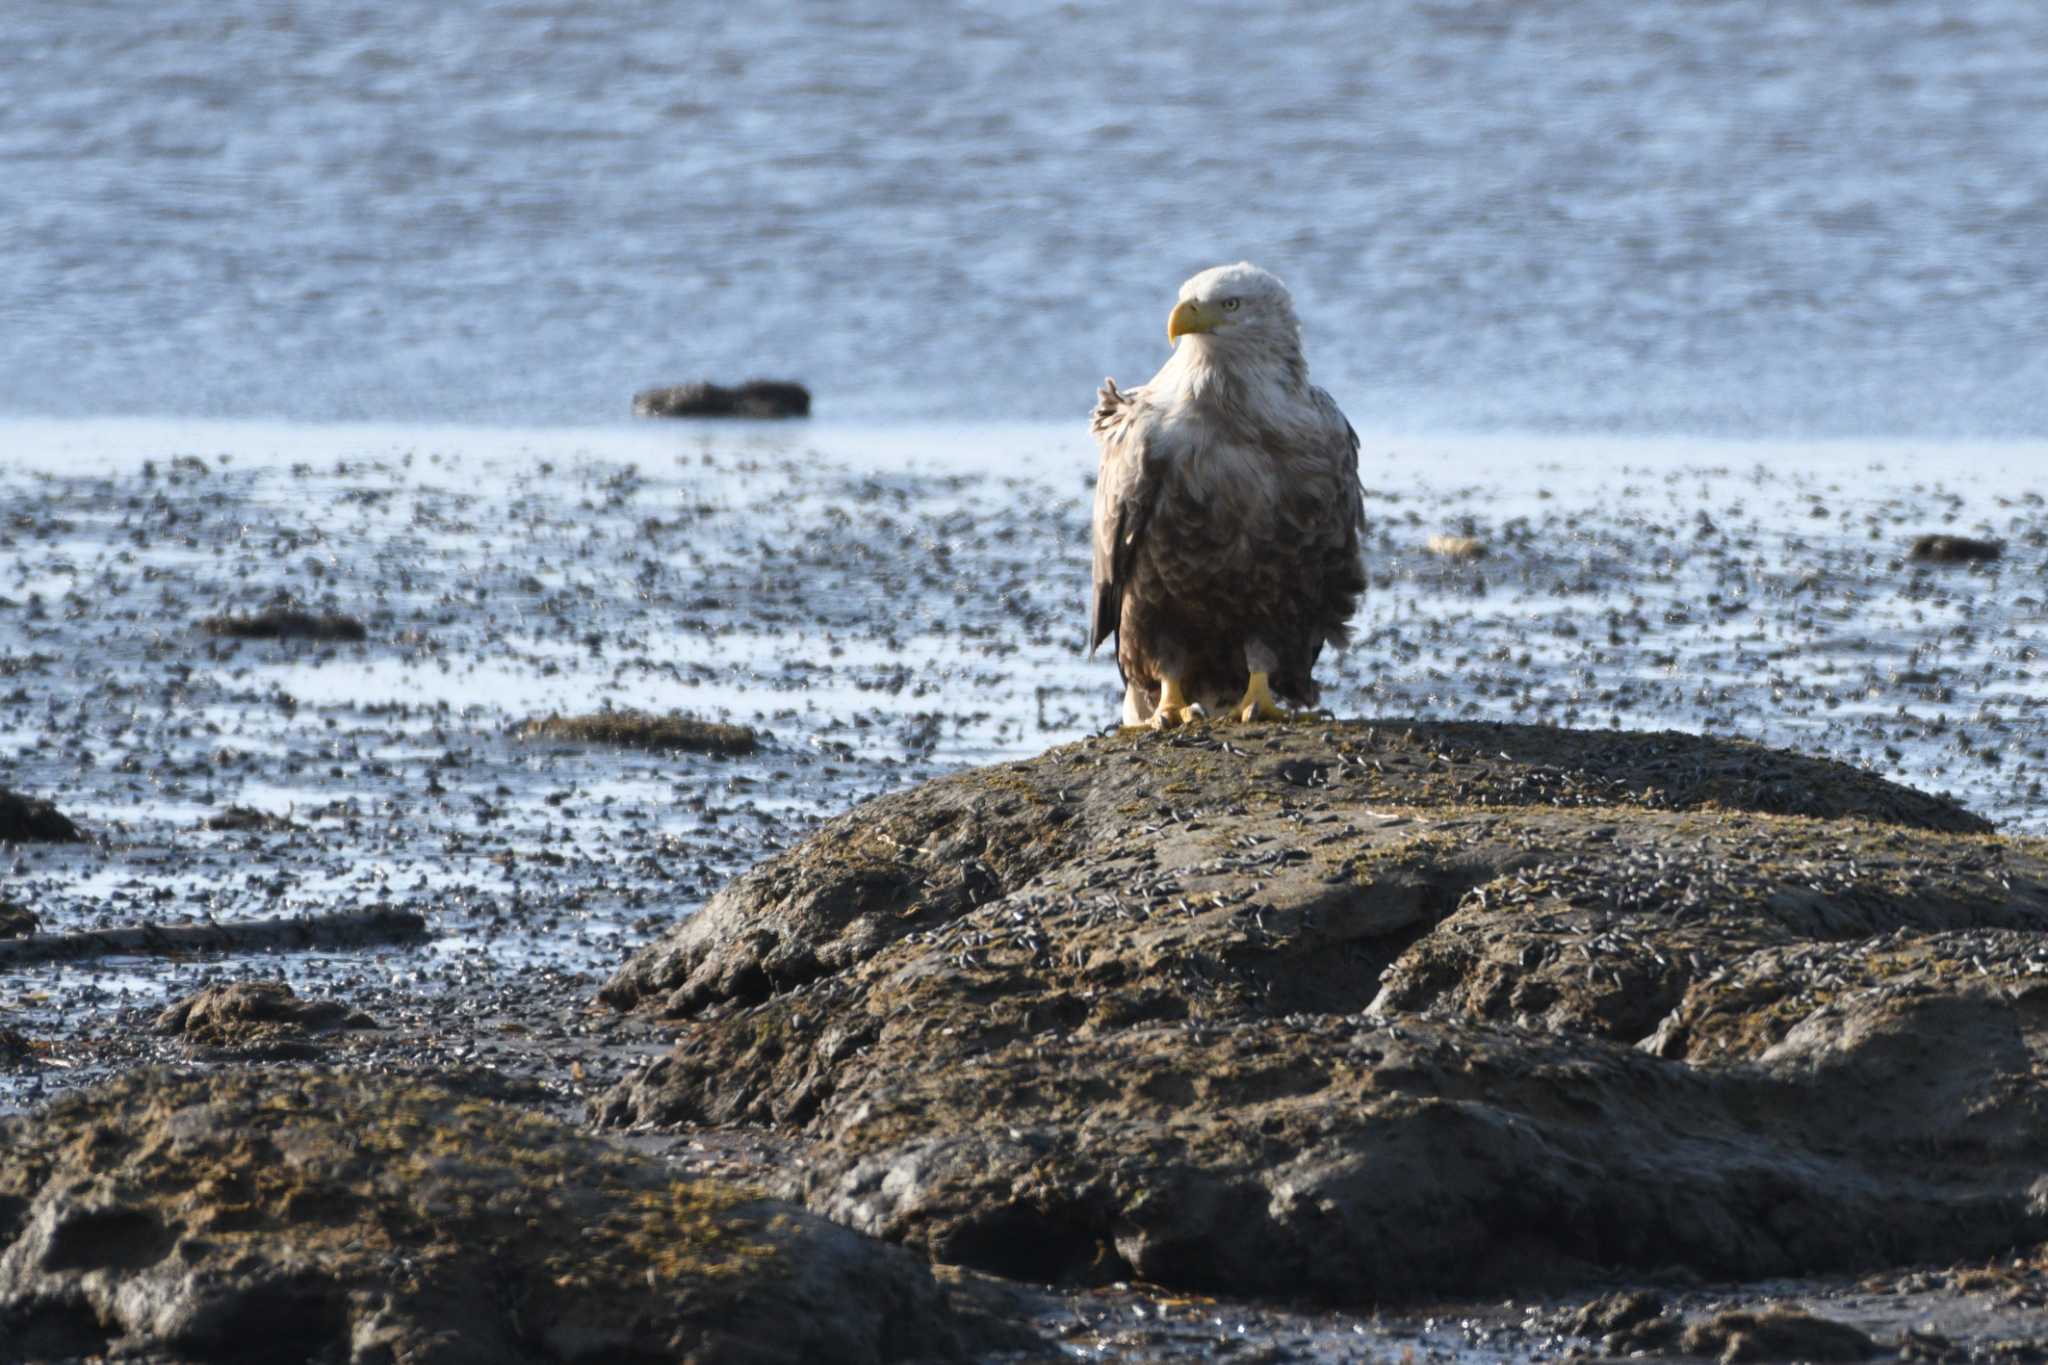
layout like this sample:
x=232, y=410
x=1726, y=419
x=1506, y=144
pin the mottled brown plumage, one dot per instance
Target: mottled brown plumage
x=1227, y=511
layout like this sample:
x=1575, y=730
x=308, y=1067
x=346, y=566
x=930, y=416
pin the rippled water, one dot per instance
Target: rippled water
x=1742, y=216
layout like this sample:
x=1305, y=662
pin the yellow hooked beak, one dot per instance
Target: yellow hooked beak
x=1189, y=316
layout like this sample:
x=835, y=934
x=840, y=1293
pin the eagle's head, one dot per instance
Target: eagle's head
x=1236, y=306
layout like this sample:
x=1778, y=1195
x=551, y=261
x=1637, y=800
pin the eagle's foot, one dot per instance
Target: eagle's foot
x=1257, y=702
x=1174, y=708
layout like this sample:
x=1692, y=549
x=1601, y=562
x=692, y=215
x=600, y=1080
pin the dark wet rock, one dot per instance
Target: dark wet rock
x=27, y=819
x=1349, y=1011
x=1942, y=549
x=247, y=819
x=256, y=1015
x=286, y=623
x=17, y=920
x=304, y=1216
x=1776, y=1333
x=754, y=398
x=16, y=1051
x=645, y=730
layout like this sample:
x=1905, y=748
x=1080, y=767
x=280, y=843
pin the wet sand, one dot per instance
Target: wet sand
x=881, y=605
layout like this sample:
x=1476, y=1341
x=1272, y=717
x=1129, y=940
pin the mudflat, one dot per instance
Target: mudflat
x=1332, y=1037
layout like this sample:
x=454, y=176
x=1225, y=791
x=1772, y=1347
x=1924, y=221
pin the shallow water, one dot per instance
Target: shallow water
x=1739, y=217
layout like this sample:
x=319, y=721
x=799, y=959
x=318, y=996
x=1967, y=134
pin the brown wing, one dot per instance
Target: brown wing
x=1347, y=568
x=1126, y=486
x=1326, y=526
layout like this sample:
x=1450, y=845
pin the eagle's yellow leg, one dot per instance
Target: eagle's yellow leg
x=1174, y=707
x=1257, y=702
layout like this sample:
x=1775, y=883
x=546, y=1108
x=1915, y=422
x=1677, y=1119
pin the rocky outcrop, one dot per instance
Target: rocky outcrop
x=292, y=1216
x=754, y=398
x=1360, y=1012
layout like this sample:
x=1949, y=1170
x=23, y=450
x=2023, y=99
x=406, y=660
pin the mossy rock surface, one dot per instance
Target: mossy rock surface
x=301, y=1216
x=1366, y=1012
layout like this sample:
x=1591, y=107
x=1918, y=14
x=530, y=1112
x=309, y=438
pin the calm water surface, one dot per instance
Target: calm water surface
x=1745, y=216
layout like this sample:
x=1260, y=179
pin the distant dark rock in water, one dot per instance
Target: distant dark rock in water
x=17, y=920
x=755, y=398
x=298, y=1215
x=1954, y=550
x=256, y=1014
x=286, y=623
x=28, y=819
x=645, y=730
x=1370, y=1012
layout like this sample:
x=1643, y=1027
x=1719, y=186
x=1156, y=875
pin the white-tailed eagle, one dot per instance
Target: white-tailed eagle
x=1227, y=512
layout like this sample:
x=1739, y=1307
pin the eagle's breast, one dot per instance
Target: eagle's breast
x=1217, y=515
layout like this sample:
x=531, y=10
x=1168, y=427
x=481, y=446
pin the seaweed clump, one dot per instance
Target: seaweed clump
x=646, y=730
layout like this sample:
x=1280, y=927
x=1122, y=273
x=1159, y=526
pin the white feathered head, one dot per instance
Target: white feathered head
x=1236, y=305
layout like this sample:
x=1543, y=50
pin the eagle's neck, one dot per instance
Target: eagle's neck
x=1243, y=380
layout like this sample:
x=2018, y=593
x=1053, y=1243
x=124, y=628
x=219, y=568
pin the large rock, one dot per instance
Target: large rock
x=1360, y=1012
x=295, y=1216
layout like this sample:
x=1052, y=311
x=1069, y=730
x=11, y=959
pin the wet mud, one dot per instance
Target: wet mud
x=878, y=626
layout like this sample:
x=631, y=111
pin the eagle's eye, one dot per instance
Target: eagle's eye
x=1230, y=305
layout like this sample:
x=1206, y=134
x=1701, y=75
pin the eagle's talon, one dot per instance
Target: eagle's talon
x=1174, y=708
x=1257, y=702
